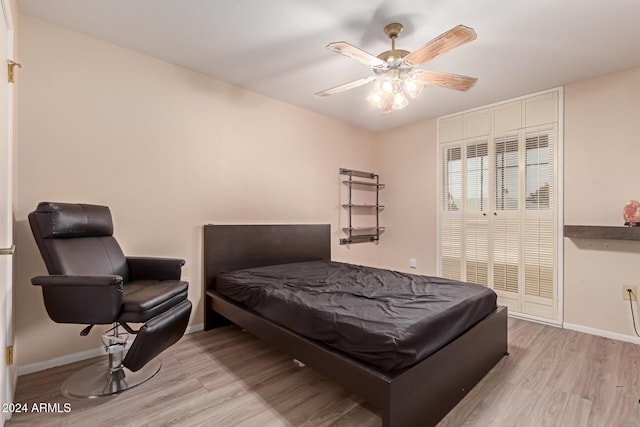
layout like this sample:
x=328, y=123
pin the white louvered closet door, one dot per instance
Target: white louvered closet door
x=476, y=224
x=506, y=220
x=498, y=203
x=539, y=239
x=451, y=215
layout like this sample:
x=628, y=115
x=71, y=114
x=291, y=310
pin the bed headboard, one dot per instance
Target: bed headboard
x=234, y=247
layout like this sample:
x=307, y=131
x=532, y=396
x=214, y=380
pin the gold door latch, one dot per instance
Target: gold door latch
x=11, y=65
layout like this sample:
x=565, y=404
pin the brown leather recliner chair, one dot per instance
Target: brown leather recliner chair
x=91, y=282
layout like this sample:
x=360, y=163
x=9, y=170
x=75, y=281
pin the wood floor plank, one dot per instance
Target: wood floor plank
x=227, y=377
x=548, y=409
x=576, y=411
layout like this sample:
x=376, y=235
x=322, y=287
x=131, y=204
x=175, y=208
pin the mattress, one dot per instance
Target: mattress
x=387, y=319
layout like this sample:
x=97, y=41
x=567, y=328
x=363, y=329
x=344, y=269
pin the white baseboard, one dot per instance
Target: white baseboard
x=82, y=355
x=194, y=328
x=536, y=319
x=602, y=333
x=579, y=328
x=62, y=360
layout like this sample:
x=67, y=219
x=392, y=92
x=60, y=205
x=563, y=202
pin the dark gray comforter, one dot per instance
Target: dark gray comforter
x=385, y=318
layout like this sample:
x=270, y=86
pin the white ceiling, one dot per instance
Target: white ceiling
x=277, y=47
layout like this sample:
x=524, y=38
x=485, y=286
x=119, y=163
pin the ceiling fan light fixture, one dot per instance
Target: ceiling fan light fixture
x=386, y=104
x=386, y=86
x=375, y=99
x=399, y=101
x=411, y=86
x=383, y=102
x=391, y=90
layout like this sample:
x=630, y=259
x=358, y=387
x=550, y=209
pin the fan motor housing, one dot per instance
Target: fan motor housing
x=393, y=54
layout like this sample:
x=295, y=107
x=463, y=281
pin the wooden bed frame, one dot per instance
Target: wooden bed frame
x=420, y=395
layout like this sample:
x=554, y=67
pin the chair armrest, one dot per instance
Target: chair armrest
x=57, y=280
x=148, y=268
x=82, y=299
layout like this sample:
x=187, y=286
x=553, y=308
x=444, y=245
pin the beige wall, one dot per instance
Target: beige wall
x=408, y=159
x=602, y=151
x=168, y=150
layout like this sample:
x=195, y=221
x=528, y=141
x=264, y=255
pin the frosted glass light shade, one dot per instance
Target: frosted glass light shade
x=412, y=87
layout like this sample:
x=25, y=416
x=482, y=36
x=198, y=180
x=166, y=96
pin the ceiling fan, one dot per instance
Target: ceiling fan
x=395, y=74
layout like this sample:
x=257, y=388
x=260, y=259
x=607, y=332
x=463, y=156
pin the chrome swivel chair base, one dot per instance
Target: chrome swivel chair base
x=109, y=377
x=99, y=380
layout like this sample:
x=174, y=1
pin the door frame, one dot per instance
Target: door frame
x=7, y=318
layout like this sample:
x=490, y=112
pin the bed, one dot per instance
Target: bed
x=408, y=392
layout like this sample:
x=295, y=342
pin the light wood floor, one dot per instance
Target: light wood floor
x=225, y=377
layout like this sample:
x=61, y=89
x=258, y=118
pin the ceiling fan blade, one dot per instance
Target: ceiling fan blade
x=356, y=53
x=451, y=81
x=457, y=36
x=346, y=86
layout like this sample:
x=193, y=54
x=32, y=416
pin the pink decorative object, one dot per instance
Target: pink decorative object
x=631, y=213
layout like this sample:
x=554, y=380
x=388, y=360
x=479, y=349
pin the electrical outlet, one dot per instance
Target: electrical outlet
x=634, y=292
x=413, y=263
